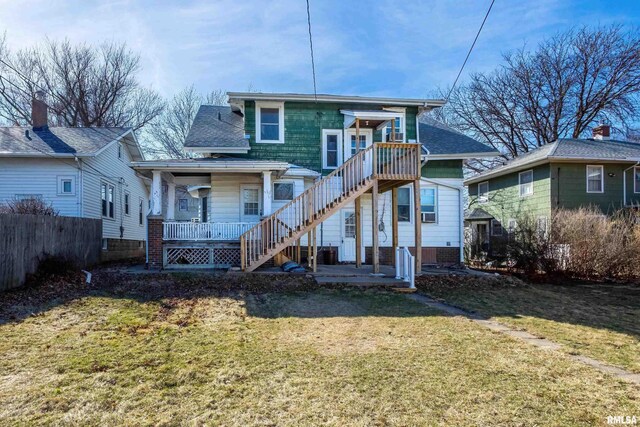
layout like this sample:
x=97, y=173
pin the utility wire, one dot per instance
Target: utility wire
x=470, y=49
x=313, y=64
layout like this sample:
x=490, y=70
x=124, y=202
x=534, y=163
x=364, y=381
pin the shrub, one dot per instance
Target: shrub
x=29, y=206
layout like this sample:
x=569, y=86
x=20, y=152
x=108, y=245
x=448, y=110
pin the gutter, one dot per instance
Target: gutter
x=241, y=96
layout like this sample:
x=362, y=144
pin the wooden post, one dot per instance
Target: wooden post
x=375, y=252
x=357, y=135
x=298, y=255
x=418, y=224
x=315, y=249
x=394, y=219
x=393, y=130
x=309, y=249
x=358, y=232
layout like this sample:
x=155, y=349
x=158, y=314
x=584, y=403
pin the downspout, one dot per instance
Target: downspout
x=80, y=188
x=461, y=224
x=624, y=183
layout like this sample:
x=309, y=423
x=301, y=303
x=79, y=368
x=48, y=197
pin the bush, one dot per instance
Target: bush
x=30, y=206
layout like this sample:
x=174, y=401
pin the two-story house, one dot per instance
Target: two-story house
x=300, y=173
x=82, y=172
x=567, y=174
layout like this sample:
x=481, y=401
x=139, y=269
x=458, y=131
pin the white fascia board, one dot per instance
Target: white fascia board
x=97, y=153
x=253, y=96
x=504, y=171
x=233, y=166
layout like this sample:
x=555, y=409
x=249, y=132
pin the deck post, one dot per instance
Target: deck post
x=298, y=257
x=171, y=201
x=309, y=255
x=375, y=252
x=315, y=249
x=358, y=212
x=156, y=193
x=394, y=219
x=418, y=224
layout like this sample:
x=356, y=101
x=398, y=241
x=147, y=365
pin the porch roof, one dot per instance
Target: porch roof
x=225, y=164
x=371, y=118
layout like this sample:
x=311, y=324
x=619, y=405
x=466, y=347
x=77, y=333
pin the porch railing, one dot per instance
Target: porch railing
x=405, y=266
x=199, y=231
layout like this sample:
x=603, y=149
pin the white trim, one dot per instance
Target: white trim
x=462, y=156
x=403, y=123
x=436, y=207
x=284, y=181
x=60, y=185
x=250, y=166
x=411, y=204
x=347, y=140
x=260, y=207
x=636, y=187
x=280, y=107
x=338, y=133
x=108, y=185
x=483, y=200
x=124, y=203
x=520, y=184
x=241, y=96
x=586, y=171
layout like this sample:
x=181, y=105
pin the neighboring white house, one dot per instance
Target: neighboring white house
x=82, y=172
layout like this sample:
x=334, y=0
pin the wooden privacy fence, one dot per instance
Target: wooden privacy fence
x=27, y=239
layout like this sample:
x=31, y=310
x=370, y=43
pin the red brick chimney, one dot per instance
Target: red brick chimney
x=602, y=132
x=39, y=111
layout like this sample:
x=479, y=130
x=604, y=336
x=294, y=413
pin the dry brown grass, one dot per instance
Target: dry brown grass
x=169, y=353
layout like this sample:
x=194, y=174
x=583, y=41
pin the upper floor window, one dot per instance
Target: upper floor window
x=404, y=204
x=270, y=122
x=119, y=151
x=428, y=204
x=483, y=192
x=595, y=179
x=331, y=142
x=636, y=180
x=525, y=181
x=107, y=194
x=127, y=203
x=283, y=191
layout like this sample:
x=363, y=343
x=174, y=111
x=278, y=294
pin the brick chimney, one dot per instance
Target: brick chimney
x=602, y=132
x=39, y=111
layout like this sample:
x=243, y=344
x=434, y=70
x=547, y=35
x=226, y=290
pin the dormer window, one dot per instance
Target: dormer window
x=270, y=122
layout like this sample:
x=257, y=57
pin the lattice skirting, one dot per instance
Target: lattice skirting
x=210, y=256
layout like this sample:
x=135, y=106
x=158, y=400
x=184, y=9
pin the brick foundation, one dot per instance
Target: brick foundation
x=154, y=239
x=123, y=249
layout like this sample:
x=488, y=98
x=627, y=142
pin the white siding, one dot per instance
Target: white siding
x=22, y=176
x=225, y=195
x=107, y=167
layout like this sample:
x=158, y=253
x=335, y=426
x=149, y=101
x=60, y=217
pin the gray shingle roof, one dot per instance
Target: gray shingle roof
x=56, y=140
x=217, y=127
x=569, y=149
x=440, y=139
x=478, y=214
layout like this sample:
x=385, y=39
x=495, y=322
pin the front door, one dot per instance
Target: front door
x=250, y=204
x=347, y=252
x=351, y=147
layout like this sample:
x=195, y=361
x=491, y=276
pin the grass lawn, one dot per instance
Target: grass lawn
x=179, y=350
x=597, y=320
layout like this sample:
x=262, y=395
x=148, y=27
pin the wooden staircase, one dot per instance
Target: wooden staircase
x=390, y=164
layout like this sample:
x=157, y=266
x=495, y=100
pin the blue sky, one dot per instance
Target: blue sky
x=383, y=47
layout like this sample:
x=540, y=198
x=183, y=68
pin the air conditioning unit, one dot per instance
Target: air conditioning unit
x=399, y=137
x=428, y=217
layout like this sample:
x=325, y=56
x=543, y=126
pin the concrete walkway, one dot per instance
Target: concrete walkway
x=526, y=337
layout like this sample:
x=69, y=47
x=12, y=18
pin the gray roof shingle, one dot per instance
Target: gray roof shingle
x=24, y=141
x=217, y=127
x=569, y=149
x=440, y=139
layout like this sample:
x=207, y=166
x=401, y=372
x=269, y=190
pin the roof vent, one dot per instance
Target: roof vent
x=602, y=132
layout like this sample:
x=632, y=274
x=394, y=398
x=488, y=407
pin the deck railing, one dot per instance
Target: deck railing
x=198, y=231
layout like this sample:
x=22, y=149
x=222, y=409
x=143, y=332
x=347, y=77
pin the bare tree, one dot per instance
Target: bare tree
x=559, y=90
x=85, y=85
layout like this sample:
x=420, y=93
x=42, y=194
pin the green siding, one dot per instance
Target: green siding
x=570, y=189
x=443, y=169
x=303, y=124
x=504, y=196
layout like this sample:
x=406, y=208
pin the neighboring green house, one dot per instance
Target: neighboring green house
x=567, y=174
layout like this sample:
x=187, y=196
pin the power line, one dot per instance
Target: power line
x=313, y=64
x=470, y=49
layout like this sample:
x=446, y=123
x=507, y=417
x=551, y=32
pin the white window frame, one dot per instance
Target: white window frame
x=520, y=184
x=636, y=187
x=126, y=202
x=288, y=182
x=61, y=179
x=402, y=114
x=280, y=107
x=435, y=206
x=586, y=171
x=119, y=151
x=411, y=215
x=338, y=133
x=485, y=198
x=180, y=200
x=141, y=212
x=108, y=186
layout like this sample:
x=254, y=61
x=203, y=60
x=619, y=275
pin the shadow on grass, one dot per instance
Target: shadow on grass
x=264, y=296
